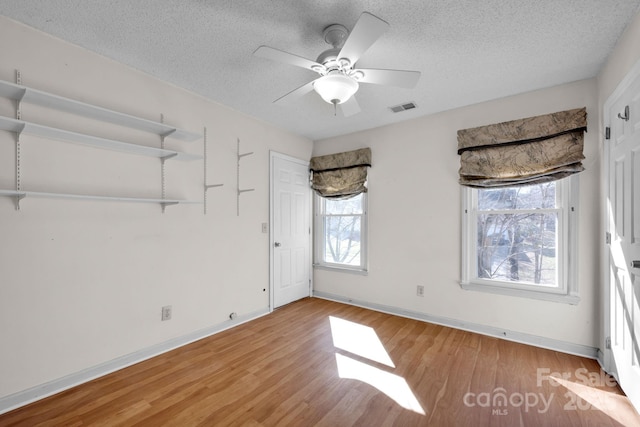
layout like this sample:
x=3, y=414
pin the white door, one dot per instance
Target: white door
x=290, y=230
x=623, y=207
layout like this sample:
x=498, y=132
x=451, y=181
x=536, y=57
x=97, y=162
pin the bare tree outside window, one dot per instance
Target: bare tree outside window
x=517, y=239
x=343, y=226
x=521, y=240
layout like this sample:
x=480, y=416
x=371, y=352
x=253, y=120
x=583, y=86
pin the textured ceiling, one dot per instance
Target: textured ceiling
x=468, y=51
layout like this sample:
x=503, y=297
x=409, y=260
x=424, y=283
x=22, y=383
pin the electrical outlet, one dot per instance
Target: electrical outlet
x=420, y=291
x=166, y=313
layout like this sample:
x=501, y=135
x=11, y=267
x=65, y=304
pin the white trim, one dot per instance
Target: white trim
x=319, y=236
x=524, y=293
x=21, y=398
x=607, y=355
x=567, y=289
x=519, y=337
x=339, y=268
x=273, y=155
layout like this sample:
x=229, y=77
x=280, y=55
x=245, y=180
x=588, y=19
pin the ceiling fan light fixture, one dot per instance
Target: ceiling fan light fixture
x=336, y=88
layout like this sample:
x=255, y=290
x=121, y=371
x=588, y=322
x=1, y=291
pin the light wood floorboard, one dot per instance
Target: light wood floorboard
x=284, y=369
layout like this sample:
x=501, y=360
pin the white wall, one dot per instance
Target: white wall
x=621, y=60
x=81, y=282
x=414, y=219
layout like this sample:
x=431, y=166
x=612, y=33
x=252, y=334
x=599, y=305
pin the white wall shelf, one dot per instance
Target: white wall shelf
x=39, y=194
x=33, y=96
x=22, y=94
x=20, y=126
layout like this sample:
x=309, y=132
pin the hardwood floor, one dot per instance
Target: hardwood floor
x=317, y=362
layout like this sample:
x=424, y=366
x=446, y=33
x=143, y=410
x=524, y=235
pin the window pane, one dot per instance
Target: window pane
x=342, y=240
x=352, y=205
x=524, y=197
x=518, y=248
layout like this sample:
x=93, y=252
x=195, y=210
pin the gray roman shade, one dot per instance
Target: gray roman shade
x=341, y=175
x=525, y=151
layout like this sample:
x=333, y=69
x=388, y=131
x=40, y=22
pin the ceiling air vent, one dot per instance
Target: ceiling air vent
x=403, y=107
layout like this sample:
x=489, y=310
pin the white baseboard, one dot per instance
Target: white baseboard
x=523, y=338
x=16, y=400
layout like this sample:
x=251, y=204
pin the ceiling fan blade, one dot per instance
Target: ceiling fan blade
x=400, y=78
x=295, y=94
x=288, y=58
x=350, y=107
x=367, y=30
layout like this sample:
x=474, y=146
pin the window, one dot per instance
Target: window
x=341, y=232
x=520, y=240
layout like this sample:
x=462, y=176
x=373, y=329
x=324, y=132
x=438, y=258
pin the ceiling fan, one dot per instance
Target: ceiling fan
x=339, y=78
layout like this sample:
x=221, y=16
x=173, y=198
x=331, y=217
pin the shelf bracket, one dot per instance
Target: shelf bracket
x=168, y=133
x=165, y=204
x=17, y=198
x=168, y=156
x=162, y=167
x=19, y=100
x=18, y=145
x=18, y=162
x=206, y=186
x=240, y=156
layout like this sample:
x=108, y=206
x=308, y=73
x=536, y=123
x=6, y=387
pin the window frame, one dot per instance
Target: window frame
x=567, y=289
x=319, y=238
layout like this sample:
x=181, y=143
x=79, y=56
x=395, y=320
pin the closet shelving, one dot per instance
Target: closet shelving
x=22, y=94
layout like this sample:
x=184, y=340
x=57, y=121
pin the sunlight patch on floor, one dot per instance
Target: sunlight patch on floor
x=363, y=341
x=390, y=384
x=359, y=339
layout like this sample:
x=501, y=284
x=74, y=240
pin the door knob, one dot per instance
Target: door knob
x=277, y=244
x=635, y=263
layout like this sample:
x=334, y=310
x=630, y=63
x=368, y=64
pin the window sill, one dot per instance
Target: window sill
x=339, y=269
x=524, y=293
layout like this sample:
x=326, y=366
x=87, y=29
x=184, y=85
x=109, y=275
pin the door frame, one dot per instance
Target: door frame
x=273, y=155
x=607, y=361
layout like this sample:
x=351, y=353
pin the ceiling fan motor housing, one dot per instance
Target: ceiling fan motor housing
x=335, y=35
